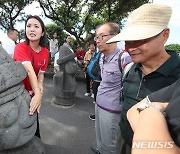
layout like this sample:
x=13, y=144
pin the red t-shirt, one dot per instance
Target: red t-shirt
x=25, y=54
x=80, y=54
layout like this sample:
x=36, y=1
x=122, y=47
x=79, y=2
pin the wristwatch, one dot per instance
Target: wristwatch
x=148, y=104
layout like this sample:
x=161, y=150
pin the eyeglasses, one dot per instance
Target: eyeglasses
x=101, y=37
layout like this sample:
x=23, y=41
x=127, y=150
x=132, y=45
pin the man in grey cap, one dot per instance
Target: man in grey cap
x=154, y=68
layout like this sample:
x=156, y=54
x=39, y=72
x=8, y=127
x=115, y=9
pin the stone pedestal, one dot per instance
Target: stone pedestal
x=34, y=146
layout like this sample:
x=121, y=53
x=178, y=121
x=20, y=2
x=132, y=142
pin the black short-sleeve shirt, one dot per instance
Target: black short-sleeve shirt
x=137, y=86
x=170, y=94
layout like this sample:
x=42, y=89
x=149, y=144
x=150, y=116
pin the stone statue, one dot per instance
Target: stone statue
x=64, y=81
x=17, y=127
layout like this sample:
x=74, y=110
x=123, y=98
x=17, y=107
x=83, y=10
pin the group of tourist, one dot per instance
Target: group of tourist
x=123, y=125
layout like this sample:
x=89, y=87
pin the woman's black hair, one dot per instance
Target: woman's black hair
x=53, y=34
x=43, y=39
x=92, y=42
x=66, y=37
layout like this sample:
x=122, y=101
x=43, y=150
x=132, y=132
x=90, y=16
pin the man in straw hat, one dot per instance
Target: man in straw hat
x=154, y=67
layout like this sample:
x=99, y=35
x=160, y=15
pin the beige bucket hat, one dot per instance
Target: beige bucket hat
x=144, y=22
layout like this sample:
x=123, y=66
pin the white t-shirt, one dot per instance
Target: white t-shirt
x=53, y=45
x=56, y=58
x=8, y=45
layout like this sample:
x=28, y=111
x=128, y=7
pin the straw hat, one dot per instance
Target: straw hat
x=144, y=22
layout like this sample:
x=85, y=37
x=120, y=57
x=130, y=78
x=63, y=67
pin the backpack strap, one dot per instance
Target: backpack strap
x=94, y=53
x=119, y=62
x=98, y=55
x=126, y=70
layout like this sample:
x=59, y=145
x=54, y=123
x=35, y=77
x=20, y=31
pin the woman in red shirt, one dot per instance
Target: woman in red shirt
x=34, y=56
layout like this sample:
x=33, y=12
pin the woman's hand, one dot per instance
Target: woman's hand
x=41, y=88
x=35, y=103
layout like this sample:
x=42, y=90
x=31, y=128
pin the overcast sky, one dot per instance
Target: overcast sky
x=174, y=23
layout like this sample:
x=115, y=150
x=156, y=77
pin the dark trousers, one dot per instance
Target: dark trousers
x=121, y=146
x=95, y=89
x=88, y=80
x=37, y=130
x=37, y=133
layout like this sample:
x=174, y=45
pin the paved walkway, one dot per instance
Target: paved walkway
x=67, y=130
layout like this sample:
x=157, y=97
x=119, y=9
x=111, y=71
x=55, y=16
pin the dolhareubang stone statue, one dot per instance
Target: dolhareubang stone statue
x=17, y=127
x=64, y=80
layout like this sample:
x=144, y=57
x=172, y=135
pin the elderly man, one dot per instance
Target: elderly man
x=145, y=35
x=10, y=41
x=108, y=104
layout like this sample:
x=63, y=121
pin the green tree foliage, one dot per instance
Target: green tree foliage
x=10, y=10
x=175, y=47
x=51, y=28
x=61, y=35
x=21, y=34
x=80, y=17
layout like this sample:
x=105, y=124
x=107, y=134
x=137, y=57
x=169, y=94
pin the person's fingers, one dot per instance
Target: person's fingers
x=38, y=109
x=34, y=106
x=31, y=107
